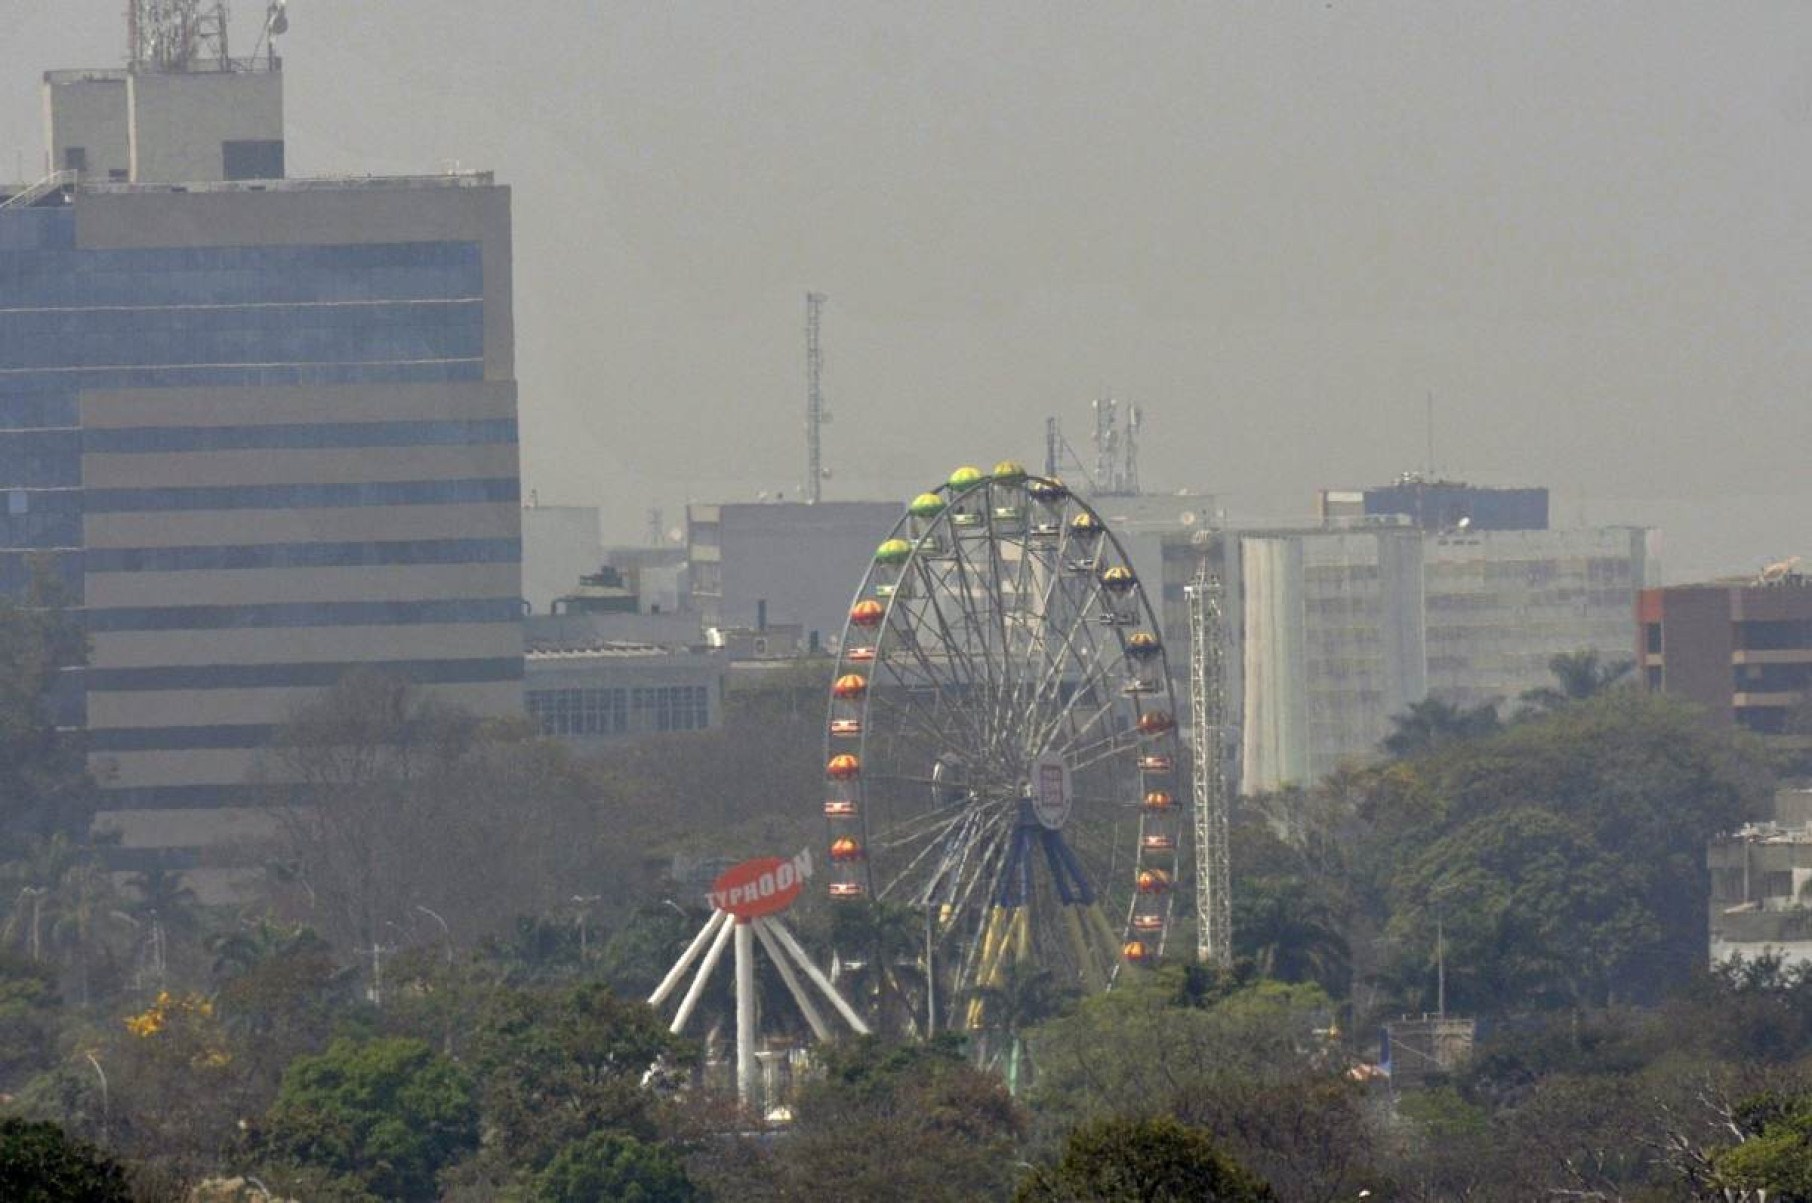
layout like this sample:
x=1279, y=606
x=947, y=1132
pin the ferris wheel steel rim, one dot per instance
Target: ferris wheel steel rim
x=992, y=670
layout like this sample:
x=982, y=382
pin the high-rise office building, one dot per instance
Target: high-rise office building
x=264, y=428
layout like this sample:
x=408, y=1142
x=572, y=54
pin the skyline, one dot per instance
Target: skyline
x=1278, y=232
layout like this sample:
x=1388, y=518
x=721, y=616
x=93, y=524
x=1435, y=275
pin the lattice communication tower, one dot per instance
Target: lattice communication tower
x=1208, y=715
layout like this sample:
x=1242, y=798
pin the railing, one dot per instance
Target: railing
x=451, y=179
x=39, y=190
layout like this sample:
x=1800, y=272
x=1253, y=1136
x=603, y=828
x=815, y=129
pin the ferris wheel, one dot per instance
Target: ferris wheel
x=1001, y=752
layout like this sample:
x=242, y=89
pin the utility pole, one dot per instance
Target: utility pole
x=815, y=416
x=1208, y=721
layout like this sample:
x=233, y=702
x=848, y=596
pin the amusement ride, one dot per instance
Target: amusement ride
x=1001, y=754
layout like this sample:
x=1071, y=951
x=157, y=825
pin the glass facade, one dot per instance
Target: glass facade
x=74, y=319
x=607, y=711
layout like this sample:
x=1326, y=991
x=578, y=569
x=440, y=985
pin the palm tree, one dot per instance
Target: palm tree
x=886, y=943
x=1431, y=722
x=87, y=915
x=1025, y=996
x=1291, y=935
x=163, y=904
x=1578, y=675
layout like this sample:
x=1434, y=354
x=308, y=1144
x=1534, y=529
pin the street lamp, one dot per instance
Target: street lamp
x=445, y=931
x=584, y=902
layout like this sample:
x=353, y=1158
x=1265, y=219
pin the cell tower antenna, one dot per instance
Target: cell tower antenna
x=176, y=36
x=1209, y=740
x=1130, y=483
x=1107, y=445
x=815, y=415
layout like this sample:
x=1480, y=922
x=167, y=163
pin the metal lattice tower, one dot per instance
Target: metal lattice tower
x=1208, y=716
x=815, y=417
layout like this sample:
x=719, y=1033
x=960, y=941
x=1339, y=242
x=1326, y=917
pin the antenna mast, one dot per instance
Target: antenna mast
x=176, y=35
x=1130, y=483
x=1208, y=721
x=815, y=417
x=1107, y=446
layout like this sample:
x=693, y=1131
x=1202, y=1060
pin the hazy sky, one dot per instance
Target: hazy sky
x=1583, y=227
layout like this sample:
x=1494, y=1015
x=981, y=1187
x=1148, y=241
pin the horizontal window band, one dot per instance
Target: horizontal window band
x=171, y=739
x=146, y=860
x=251, y=375
x=227, y=557
x=196, y=797
x=305, y=614
x=301, y=496
x=298, y=675
x=128, y=440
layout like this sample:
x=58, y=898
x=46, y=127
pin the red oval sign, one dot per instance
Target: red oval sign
x=764, y=886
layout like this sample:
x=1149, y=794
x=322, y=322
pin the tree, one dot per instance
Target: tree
x=901, y=1122
x=44, y=783
x=39, y=1164
x=385, y=1115
x=1154, y=1160
x=1773, y=1158
x=397, y=802
x=1631, y=784
x=1577, y=675
x=611, y=1165
x=555, y=1065
x=1431, y=722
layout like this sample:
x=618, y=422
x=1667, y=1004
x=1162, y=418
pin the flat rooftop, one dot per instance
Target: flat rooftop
x=64, y=191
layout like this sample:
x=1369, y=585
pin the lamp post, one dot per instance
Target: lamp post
x=445, y=931
x=584, y=902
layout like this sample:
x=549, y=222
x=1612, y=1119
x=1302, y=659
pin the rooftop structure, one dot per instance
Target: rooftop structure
x=1761, y=885
x=1436, y=505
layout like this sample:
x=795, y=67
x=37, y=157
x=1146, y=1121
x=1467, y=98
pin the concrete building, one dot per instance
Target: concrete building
x=1741, y=649
x=783, y=562
x=1331, y=632
x=589, y=690
x=266, y=432
x=1761, y=903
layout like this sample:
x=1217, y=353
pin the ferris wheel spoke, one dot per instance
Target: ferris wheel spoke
x=1104, y=749
x=971, y=587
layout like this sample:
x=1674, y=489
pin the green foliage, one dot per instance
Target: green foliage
x=555, y=1065
x=611, y=1165
x=1564, y=854
x=28, y=1018
x=1431, y=724
x=385, y=1115
x=1578, y=675
x=39, y=1164
x=901, y=1122
x=44, y=782
x=1775, y=1154
x=1156, y=1160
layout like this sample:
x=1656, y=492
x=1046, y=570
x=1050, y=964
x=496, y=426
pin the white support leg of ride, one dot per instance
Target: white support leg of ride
x=704, y=974
x=777, y=955
x=818, y=979
x=745, y=1014
x=680, y=966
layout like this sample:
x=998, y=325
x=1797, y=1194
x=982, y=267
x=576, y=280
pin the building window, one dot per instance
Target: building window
x=1651, y=633
x=579, y=711
x=671, y=708
x=75, y=158
x=252, y=160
